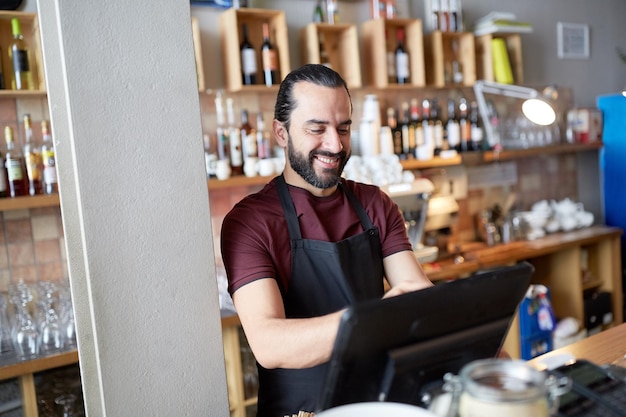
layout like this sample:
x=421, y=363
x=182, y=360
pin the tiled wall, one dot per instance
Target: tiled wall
x=32, y=246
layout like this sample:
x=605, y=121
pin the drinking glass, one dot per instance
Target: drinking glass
x=67, y=401
x=66, y=313
x=6, y=342
x=25, y=334
x=51, y=334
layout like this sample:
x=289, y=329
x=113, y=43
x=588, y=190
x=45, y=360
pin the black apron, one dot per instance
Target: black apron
x=325, y=277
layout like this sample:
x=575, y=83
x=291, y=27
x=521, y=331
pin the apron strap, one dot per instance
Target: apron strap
x=288, y=208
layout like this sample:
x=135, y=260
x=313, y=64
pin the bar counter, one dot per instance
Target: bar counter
x=602, y=348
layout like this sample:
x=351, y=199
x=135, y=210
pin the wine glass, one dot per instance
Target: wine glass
x=66, y=312
x=25, y=334
x=6, y=342
x=51, y=335
x=67, y=401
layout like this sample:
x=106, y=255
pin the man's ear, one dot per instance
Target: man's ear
x=280, y=133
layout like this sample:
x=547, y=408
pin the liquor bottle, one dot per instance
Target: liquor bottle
x=20, y=59
x=332, y=12
x=32, y=158
x=3, y=178
x=263, y=142
x=437, y=126
x=248, y=137
x=223, y=147
x=318, y=12
x=234, y=139
x=248, y=59
x=378, y=9
x=476, y=129
x=428, y=125
x=456, y=24
x=391, y=10
x=396, y=131
x=435, y=9
x=401, y=59
x=453, y=130
x=444, y=22
x=408, y=132
x=269, y=57
x=48, y=157
x=16, y=169
x=416, y=123
x=464, y=125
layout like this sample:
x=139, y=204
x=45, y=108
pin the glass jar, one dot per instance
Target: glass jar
x=512, y=388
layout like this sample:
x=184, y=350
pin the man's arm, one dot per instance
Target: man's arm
x=278, y=342
x=404, y=273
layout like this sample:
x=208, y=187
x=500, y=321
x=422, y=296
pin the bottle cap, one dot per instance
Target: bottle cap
x=15, y=26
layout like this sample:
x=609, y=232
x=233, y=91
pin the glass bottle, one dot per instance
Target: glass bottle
x=396, y=131
x=476, y=129
x=391, y=59
x=234, y=139
x=417, y=123
x=428, y=125
x=453, y=130
x=32, y=158
x=318, y=12
x=332, y=12
x=48, y=158
x=16, y=168
x=269, y=57
x=223, y=147
x=444, y=22
x=464, y=125
x=401, y=59
x=405, y=126
x=248, y=137
x=248, y=58
x=263, y=142
x=19, y=55
x=437, y=126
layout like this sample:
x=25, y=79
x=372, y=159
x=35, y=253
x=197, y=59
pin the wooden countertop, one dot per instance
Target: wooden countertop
x=508, y=253
x=605, y=347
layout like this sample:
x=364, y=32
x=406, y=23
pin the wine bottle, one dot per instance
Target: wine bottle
x=248, y=59
x=318, y=12
x=3, y=178
x=405, y=126
x=417, y=123
x=396, y=131
x=48, y=157
x=234, y=139
x=464, y=124
x=401, y=59
x=332, y=12
x=263, y=142
x=437, y=126
x=428, y=125
x=269, y=58
x=391, y=59
x=20, y=59
x=32, y=157
x=16, y=169
x=453, y=130
x=476, y=129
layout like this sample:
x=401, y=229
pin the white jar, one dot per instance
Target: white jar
x=512, y=388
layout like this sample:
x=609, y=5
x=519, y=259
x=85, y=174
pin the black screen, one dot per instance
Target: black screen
x=390, y=349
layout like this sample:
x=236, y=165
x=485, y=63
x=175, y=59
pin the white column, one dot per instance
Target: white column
x=126, y=120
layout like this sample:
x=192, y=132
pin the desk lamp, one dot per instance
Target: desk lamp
x=535, y=107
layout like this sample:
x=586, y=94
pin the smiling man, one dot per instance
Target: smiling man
x=309, y=244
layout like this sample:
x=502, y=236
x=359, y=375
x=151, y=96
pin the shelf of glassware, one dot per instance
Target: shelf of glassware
x=25, y=371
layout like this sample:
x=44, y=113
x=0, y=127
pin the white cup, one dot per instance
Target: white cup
x=265, y=167
x=222, y=169
x=250, y=166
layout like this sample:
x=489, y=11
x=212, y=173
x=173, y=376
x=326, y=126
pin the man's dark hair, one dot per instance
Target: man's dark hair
x=314, y=73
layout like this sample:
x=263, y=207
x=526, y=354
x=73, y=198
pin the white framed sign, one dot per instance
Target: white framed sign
x=573, y=40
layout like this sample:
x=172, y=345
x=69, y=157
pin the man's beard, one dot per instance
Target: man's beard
x=303, y=166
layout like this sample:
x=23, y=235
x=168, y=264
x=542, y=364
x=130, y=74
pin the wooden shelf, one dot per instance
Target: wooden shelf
x=238, y=181
x=17, y=369
x=22, y=94
x=38, y=201
x=431, y=163
x=504, y=155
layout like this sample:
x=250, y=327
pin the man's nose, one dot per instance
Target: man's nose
x=332, y=141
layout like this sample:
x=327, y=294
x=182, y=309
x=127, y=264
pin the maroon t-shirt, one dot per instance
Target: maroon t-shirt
x=255, y=240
